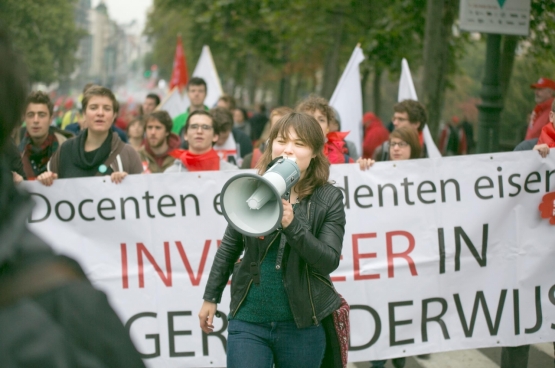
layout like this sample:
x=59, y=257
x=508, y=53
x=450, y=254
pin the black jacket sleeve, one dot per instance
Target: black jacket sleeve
x=321, y=250
x=230, y=249
x=243, y=140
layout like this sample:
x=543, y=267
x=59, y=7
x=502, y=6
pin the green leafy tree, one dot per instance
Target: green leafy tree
x=45, y=33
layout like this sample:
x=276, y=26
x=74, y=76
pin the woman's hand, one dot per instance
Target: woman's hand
x=206, y=316
x=365, y=163
x=117, y=177
x=47, y=178
x=543, y=149
x=17, y=178
x=288, y=214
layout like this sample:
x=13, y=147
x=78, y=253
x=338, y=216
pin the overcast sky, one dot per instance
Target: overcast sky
x=124, y=11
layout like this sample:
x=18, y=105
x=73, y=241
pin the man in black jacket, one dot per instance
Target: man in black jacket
x=50, y=314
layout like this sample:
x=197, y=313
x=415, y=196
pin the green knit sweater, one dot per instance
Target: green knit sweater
x=267, y=302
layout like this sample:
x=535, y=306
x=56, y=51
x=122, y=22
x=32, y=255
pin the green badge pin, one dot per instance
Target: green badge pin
x=102, y=169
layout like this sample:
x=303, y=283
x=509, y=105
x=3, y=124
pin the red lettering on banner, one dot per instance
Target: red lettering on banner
x=358, y=256
x=339, y=278
x=195, y=280
x=124, y=273
x=405, y=255
x=166, y=279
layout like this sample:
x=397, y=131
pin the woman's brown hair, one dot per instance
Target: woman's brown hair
x=408, y=134
x=310, y=132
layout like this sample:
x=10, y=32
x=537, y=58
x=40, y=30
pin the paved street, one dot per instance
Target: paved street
x=541, y=356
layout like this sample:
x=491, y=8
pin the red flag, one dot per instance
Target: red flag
x=179, y=74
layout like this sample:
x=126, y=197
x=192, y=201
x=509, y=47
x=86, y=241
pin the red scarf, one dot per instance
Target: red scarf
x=209, y=161
x=335, y=149
x=547, y=135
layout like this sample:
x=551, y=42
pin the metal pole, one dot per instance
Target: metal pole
x=492, y=102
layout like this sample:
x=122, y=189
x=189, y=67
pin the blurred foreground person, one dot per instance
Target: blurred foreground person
x=50, y=314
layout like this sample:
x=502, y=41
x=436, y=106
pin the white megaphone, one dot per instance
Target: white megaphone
x=252, y=203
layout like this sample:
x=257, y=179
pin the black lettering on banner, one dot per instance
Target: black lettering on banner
x=529, y=180
x=122, y=203
x=173, y=333
x=100, y=208
x=516, y=311
x=393, y=323
x=406, y=185
x=377, y=330
x=426, y=319
x=71, y=211
x=80, y=209
x=477, y=187
x=547, y=180
x=217, y=204
x=457, y=189
x=459, y=233
x=219, y=334
x=345, y=191
x=380, y=193
x=441, y=242
x=539, y=318
x=515, y=185
x=170, y=204
x=552, y=300
x=182, y=200
x=363, y=195
x=500, y=181
x=147, y=197
x=155, y=337
x=421, y=191
x=480, y=299
x=48, y=209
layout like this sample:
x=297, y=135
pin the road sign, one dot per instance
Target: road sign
x=511, y=17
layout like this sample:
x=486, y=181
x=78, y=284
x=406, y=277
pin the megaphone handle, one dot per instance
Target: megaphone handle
x=286, y=195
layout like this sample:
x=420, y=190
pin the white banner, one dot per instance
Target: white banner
x=439, y=254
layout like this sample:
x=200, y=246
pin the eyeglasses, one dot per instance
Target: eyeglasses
x=399, y=144
x=203, y=127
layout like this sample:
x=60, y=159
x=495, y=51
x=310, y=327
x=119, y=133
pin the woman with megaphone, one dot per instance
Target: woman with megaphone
x=283, y=303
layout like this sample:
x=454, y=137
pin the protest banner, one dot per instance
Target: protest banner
x=439, y=254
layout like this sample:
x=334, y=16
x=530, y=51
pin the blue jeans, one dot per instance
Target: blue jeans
x=260, y=345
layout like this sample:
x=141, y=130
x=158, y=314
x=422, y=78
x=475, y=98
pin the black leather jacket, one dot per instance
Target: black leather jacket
x=309, y=250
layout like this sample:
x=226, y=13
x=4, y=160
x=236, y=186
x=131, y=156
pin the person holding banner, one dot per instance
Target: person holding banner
x=201, y=133
x=335, y=147
x=282, y=297
x=97, y=151
x=403, y=145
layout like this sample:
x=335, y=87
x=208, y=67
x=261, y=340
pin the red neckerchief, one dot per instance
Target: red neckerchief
x=334, y=148
x=547, y=135
x=209, y=161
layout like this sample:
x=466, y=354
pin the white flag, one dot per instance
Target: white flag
x=347, y=99
x=174, y=103
x=206, y=69
x=407, y=92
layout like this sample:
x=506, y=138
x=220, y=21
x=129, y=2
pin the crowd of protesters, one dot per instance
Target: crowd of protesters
x=98, y=137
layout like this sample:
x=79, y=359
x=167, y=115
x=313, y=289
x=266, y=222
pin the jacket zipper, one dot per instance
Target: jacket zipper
x=250, y=282
x=314, y=319
x=325, y=281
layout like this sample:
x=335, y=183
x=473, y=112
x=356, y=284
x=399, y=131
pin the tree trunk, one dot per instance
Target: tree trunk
x=363, y=82
x=331, y=63
x=376, y=90
x=508, y=49
x=440, y=16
